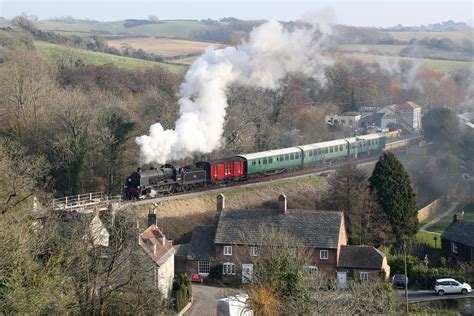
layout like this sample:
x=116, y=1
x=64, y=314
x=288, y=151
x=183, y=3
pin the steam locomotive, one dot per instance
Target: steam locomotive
x=169, y=179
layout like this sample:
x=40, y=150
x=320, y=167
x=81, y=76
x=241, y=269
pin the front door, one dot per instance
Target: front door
x=341, y=279
x=247, y=272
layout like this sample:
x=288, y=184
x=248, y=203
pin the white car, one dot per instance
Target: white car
x=447, y=286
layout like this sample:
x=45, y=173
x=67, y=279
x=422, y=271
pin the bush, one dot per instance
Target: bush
x=182, y=290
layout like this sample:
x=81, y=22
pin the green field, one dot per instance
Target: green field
x=456, y=36
x=372, y=49
x=168, y=28
x=427, y=237
x=435, y=64
x=89, y=57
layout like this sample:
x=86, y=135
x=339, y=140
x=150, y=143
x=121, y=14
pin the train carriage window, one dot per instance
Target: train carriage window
x=336, y=148
x=282, y=158
x=326, y=150
x=287, y=157
x=264, y=160
x=297, y=156
x=270, y=160
x=259, y=162
x=341, y=148
x=254, y=163
x=292, y=156
x=319, y=151
x=310, y=153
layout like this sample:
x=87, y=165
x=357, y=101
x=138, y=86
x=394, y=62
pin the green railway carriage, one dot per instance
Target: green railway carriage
x=272, y=160
x=324, y=151
x=366, y=144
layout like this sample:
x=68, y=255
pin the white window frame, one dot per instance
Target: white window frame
x=454, y=247
x=204, y=263
x=311, y=269
x=364, y=276
x=324, y=257
x=253, y=251
x=228, y=268
x=227, y=250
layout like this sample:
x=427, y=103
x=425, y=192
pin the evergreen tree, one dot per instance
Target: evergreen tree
x=396, y=196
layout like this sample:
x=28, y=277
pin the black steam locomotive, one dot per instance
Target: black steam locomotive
x=162, y=180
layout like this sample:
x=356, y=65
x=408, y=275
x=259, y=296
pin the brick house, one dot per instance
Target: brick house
x=458, y=240
x=234, y=241
x=363, y=263
x=161, y=252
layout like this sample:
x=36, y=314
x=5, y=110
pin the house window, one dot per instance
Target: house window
x=253, y=251
x=228, y=268
x=454, y=247
x=364, y=276
x=323, y=254
x=227, y=250
x=310, y=269
x=203, y=267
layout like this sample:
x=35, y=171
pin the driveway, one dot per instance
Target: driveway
x=205, y=299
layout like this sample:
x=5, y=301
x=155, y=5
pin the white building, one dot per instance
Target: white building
x=347, y=119
x=161, y=252
x=410, y=113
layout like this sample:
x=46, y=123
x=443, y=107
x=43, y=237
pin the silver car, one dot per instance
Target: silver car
x=447, y=286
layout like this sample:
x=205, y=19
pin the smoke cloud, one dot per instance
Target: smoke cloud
x=271, y=53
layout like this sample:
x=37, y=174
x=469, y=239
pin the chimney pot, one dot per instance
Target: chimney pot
x=282, y=205
x=151, y=217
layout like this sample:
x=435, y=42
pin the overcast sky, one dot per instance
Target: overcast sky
x=349, y=12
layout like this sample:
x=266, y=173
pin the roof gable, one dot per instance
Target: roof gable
x=315, y=229
x=155, y=244
x=461, y=232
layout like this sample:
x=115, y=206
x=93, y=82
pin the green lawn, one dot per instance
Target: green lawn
x=89, y=57
x=427, y=237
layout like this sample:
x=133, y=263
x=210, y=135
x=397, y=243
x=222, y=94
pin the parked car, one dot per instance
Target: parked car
x=445, y=286
x=399, y=280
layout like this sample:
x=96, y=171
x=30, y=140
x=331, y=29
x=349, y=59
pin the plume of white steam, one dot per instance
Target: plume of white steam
x=270, y=54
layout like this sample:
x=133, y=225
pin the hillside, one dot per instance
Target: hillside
x=90, y=57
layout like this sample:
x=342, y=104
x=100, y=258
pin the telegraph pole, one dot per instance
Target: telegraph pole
x=406, y=276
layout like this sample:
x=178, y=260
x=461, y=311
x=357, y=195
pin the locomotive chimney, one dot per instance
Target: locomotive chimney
x=220, y=206
x=282, y=205
x=151, y=216
x=139, y=169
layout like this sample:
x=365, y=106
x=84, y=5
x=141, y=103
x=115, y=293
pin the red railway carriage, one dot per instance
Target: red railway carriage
x=223, y=169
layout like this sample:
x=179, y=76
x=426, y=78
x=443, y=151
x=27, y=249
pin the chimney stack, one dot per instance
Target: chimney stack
x=282, y=206
x=455, y=217
x=220, y=205
x=151, y=217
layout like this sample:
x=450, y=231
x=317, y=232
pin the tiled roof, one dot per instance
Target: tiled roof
x=151, y=240
x=407, y=106
x=202, y=243
x=316, y=229
x=461, y=232
x=363, y=257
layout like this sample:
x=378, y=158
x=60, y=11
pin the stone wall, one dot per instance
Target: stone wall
x=429, y=209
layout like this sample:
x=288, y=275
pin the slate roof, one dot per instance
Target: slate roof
x=461, y=232
x=315, y=229
x=202, y=244
x=362, y=257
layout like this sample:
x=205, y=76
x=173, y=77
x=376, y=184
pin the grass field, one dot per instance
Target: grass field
x=435, y=64
x=456, y=36
x=427, y=237
x=96, y=58
x=165, y=47
x=444, y=222
x=166, y=28
x=373, y=49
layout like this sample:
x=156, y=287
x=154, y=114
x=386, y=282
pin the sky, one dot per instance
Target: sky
x=349, y=12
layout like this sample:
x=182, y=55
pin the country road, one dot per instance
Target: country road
x=430, y=295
